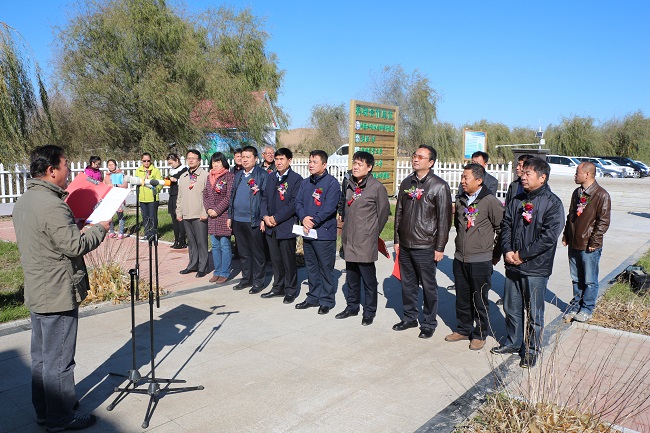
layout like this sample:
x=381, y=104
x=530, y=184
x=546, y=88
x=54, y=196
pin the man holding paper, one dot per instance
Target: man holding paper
x=316, y=206
x=56, y=281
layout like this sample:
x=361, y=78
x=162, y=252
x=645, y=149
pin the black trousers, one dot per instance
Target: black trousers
x=355, y=273
x=417, y=267
x=197, y=243
x=250, y=244
x=283, y=259
x=473, y=282
x=149, y=213
x=178, y=226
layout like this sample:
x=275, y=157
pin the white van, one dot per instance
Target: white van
x=566, y=165
x=339, y=157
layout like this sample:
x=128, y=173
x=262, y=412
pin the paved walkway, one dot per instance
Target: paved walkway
x=266, y=366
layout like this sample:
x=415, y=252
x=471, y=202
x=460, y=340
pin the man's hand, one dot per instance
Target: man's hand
x=509, y=257
x=517, y=259
x=229, y=224
x=179, y=218
x=308, y=223
x=396, y=248
x=203, y=218
x=563, y=240
x=438, y=255
x=105, y=224
x=262, y=227
x=212, y=213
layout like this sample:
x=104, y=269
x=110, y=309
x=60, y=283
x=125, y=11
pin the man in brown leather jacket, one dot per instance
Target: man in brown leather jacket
x=422, y=223
x=586, y=223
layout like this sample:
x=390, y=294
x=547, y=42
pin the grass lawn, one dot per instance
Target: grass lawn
x=11, y=283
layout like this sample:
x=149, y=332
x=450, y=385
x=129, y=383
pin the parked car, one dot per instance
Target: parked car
x=340, y=156
x=639, y=171
x=644, y=165
x=627, y=171
x=607, y=172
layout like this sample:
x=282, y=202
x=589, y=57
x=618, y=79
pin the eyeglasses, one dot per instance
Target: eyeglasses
x=146, y=160
x=419, y=157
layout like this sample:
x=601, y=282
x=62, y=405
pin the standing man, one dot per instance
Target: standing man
x=491, y=182
x=515, y=188
x=586, y=223
x=237, y=159
x=56, y=282
x=422, y=223
x=367, y=210
x=316, y=208
x=191, y=212
x=531, y=226
x=268, y=162
x=279, y=216
x=478, y=224
x=244, y=218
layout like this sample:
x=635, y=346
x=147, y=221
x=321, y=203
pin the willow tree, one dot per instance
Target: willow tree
x=22, y=113
x=141, y=71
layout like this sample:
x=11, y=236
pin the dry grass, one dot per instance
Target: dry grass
x=506, y=414
x=621, y=308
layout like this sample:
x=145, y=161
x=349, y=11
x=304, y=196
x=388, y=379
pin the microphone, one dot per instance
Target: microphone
x=137, y=181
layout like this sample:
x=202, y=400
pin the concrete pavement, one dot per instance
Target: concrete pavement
x=268, y=367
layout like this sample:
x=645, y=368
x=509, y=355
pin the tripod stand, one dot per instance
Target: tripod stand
x=153, y=389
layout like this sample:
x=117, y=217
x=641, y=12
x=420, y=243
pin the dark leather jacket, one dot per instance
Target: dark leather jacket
x=423, y=222
x=587, y=229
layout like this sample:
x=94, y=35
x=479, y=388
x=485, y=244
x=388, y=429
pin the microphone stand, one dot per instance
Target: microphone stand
x=153, y=390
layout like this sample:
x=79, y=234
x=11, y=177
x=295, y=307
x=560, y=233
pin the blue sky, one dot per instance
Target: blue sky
x=519, y=63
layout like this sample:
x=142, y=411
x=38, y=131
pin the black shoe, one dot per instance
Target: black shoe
x=528, y=361
x=187, y=271
x=304, y=305
x=288, y=299
x=255, y=289
x=40, y=420
x=323, y=309
x=175, y=245
x=79, y=422
x=181, y=245
x=401, y=326
x=200, y=274
x=367, y=320
x=426, y=333
x=500, y=301
x=345, y=314
x=242, y=285
x=504, y=350
x=271, y=294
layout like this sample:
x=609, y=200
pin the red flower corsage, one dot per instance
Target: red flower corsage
x=527, y=211
x=253, y=186
x=220, y=185
x=355, y=195
x=317, y=194
x=583, y=201
x=282, y=189
x=471, y=212
x=414, y=193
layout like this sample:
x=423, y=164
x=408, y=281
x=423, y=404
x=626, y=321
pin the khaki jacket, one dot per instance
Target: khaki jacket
x=587, y=230
x=189, y=204
x=52, y=249
x=365, y=218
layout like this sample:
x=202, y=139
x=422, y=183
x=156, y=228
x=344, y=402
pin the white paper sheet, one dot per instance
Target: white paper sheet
x=298, y=230
x=109, y=205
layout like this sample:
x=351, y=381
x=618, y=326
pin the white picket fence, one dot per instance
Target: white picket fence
x=13, y=179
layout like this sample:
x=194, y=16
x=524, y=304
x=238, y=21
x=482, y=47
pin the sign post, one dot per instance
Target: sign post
x=373, y=129
x=473, y=141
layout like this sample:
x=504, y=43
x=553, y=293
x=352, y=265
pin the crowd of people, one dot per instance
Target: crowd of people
x=267, y=205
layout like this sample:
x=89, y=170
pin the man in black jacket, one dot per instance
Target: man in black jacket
x=422, y=223
x=530, y=229
x=279, y=216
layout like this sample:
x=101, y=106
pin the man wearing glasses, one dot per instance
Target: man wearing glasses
x=268, y=159
x=422, y=223
x=149, y=196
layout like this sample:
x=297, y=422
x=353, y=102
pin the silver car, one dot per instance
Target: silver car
x=606, y=172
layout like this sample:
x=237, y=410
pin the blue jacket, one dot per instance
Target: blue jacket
x=260, y=176
x=536, y=241
x=284, y=211
x=324, y=216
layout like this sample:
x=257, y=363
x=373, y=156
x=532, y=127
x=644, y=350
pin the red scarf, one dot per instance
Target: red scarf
x=216, y=174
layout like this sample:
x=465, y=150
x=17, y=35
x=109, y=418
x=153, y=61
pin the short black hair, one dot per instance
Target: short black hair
x=364, y=157
x=195, y=152
x=283, y=151
x=218, y=156
x=173, y=157
x=146, y=154
x=43, y=157
x=236, y=151
x=478, y=171
x=525, y=157
x=482, y=154
x=93, y=158
x=539, y=166
x=251, y=149
x=433, y=155
x=319, y=153
x=113, y=161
